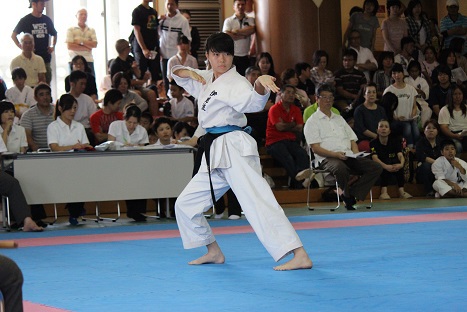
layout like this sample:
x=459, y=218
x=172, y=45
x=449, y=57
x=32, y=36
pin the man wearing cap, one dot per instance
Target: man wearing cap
x=454, y=24
x=42, y=28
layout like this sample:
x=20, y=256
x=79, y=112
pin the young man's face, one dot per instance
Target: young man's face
x=348, y=62
x=43, y=97
x=175, y=91
x=354, y=39
x=449, y=151
x=38, y=7
x=307, y=73
x=409, y=47
x=115, y=106
x=145, y=123
x=171, y=6
x=443, y=78
x=239, y=7
x=79, y=86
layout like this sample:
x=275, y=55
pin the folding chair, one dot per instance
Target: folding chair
x=6, y=214
x=98, y=215
x=2, y=303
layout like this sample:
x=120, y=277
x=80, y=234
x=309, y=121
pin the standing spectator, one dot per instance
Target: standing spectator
x=394, y=28
x=419, y=26
x=42, y=28
x=30, y=62
x=81, y=40
x=195, y=38
x=454, y=24
x=405, y=115
x=146, y=39
x=366, y=23
x=284, y=123
x=366, y=61
x=382, y=77
x=427, y=151
x=319, y=73
x=172, y=25
x=240, y=27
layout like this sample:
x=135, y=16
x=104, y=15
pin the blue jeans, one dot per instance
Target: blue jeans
x=292, y=157
x=408, y=129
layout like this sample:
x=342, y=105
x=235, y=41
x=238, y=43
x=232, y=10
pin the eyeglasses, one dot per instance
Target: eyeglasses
x=327, y=98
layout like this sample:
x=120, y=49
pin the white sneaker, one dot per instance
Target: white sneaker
x=234, y=217
x=219, y=216
x=302, y=175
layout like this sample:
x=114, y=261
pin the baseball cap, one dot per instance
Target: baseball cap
x=452, y=2
x=31, y=1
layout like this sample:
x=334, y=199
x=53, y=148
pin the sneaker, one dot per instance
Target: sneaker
x=384, y=196
x=350, y=202
x=306, y=183
x=234, y=217
x=406, y=195
x=219, y=216
x=73, y=221
x=302, y=175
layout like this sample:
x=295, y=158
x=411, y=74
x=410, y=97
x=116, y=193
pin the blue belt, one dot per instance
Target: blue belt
x=226, y=129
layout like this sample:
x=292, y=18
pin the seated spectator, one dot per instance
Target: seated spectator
x=130, y=133
x=146, y=121
x=348, y=81
x=79, y=63
x=387, y=151
x=126, y=63
x=101, y=120
x=12, y=134
x=319, y=73
x=182, y=131
x=310, y=110
x=394, y=28
x=406, y=114
x=405, y=56
x=65, y=134
x=289, y=77
x=382, y=77
x=438, y=93
x=421, y=85
x=450, y=172
x=122, y=83
x=21, y=95
x=182, y=57
x=429, y=64
x=427, y=151
x=257, y=121
x=266, y=65
x=3, y=88
x=32, y=64
x=163, y=128
x=365, y=61
x=331, y=139
x=453, y=118
x=366, y=118
x=284, y=124
x=457, y=46
x=179, y=108
x=303, y=71
x=446, y=57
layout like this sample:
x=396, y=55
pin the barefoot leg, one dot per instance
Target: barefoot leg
x=31, y=226
x=299, y=261
x=214, y=255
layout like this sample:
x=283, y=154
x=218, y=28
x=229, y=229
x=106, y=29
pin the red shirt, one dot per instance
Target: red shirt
x=100, y=122
x=277, y=113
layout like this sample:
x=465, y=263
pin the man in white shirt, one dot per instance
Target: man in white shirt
x=31, y=63
x=366, y=61
x=331, y=139
x=405, y=57
x=240, y=27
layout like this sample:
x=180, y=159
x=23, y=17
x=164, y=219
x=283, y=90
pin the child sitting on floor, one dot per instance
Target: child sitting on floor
x=450, y=172
x=388, y=153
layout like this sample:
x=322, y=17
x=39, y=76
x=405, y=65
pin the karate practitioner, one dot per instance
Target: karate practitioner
x=223, y=98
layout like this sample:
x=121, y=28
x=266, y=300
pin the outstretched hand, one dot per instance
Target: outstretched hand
x=268, y=82
x=193, y=75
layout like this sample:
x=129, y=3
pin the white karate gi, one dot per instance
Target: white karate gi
x=234, y=163
x=442, y=169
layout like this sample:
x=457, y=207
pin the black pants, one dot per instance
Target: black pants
x=11, y=284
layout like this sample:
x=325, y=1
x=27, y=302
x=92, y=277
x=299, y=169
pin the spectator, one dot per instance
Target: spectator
x=182, y=57
x=120, y=81
x=11, y=284
x=427, y=151
x=405, y=57
x=168, y=39
x=32, y=64
x=406, y=114
x=289, y=77
x=394, y=28
x=319, y=73
x=285, y=122
x=42, y=28
x=450, y=172
x=79, y=63
x=365, y=62
x=454, y=24
x=447, y=57
x=457, y=46
x=257, y=121
x=180, y=107
x=453, y=118
x=303, y=71
x=382, y=77
x=195, y=43
x=145, y=41
x=387, y=152
x=81, y=40
x=429, y=64
x=419, y=26
x=21, y=95
x=438, y=93
x=348, y=81
x=331, y=139
x=366, y=118
x=365, y=23
x=416, y=80
x=240, y=27
x=101, y=120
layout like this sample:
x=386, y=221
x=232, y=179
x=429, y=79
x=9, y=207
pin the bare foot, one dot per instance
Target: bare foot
x=299, y=261
x=214, y=256
x=31, y=226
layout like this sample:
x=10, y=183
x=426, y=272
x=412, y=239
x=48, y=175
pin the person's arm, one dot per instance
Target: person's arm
x=51, y=48
x=386, y=38
x=140, y=39
x=317, y=149
x=14, y=37
x=245, y=31
x=346, y=94
x=385, y=166
x=414, y=107
x=57, y=148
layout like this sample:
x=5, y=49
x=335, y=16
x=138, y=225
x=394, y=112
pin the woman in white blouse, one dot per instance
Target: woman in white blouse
x=13, y=135
x=129, y=131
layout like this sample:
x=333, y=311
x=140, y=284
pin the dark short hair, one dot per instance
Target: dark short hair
x=444, y=69
x=117, y=78
x=77, y=75
x=183, y=40
x=375, y=4
x=406, y=40
x=174, y=83
x=160, y=121
x=220, y=42
x=287, y=74
x=324, y=87
x=397, y=68
x=6, y=106
x=65, y=102
x=457, y=44
x=285, y=86
x=414, y=64
x=447, y=142
x=350, y=52
x=433, y=122
x=385, y=55
x=112, y=96
x=18, y=73
x=301, y=66
x=41, y=86
x=148, y=116
x=80, y=57
x=133, y=111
